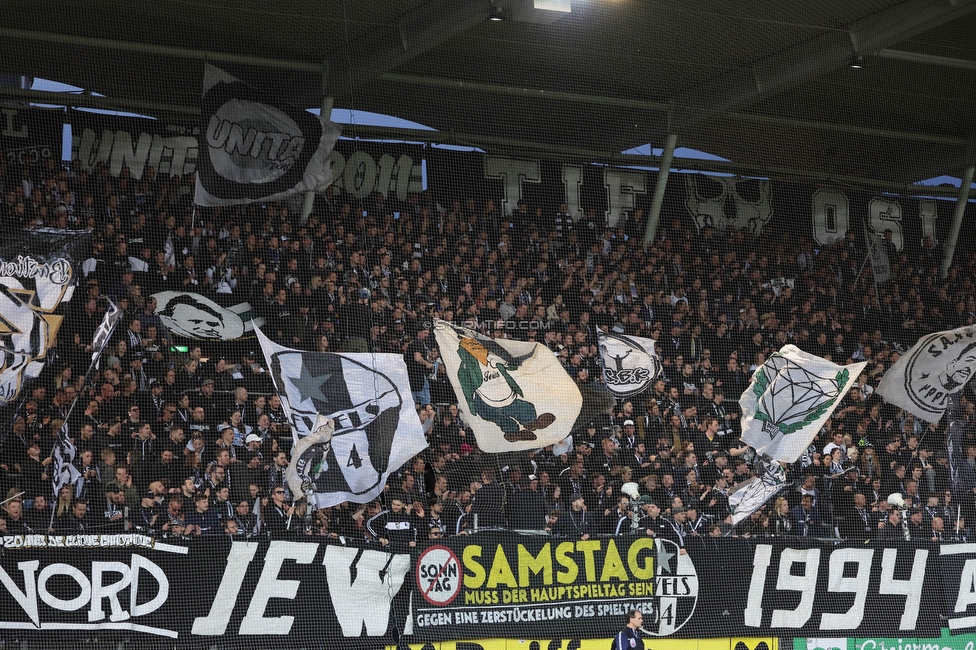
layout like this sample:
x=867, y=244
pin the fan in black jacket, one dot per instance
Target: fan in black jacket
x=577, y=523
x=652, y=524
x=489, y=502
x=394, y=528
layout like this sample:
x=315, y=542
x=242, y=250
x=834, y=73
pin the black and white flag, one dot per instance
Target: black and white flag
x=194, y=316
x=630, y=363
x=753, y=493
x=36, y=279
x=962, y=475
x=374, y=431
x=937, y=366
x=257, y=148
x=63, y=470
x=880, y=264
x=104, y=332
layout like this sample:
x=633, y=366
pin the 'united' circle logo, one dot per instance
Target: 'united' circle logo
x=252, y=142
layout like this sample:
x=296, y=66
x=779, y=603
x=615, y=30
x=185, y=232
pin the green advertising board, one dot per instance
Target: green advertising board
x=946, y=642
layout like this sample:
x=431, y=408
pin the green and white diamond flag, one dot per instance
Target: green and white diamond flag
x=789, y=400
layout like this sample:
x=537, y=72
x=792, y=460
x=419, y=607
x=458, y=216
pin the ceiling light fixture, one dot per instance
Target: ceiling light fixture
x=496, y=15
x=857, y=62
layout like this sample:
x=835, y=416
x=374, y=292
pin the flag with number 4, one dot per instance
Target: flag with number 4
x=374, y=428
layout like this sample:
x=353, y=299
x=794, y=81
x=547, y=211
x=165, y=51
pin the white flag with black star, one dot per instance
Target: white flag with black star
x=375, y=426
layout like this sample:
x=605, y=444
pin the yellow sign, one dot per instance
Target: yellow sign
x=596, y=644
x=561, y=565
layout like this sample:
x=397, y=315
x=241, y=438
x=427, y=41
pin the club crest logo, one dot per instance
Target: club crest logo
x=676, y=594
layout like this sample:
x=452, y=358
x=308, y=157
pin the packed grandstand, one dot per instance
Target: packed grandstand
x=167, y=419
x=488, y=325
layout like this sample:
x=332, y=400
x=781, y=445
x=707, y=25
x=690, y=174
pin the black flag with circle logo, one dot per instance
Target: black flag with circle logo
x=257, y=148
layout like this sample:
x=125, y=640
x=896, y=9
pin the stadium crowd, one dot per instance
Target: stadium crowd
x=196, y=442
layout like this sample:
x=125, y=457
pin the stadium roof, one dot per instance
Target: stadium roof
x=766, y=84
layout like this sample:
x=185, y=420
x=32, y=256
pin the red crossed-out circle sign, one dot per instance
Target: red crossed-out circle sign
x=439, y=575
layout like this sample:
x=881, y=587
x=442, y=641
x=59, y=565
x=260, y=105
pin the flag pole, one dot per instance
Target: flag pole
x=102, y=336
x=599, y=358
x=872, y=242
x=16, y=496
